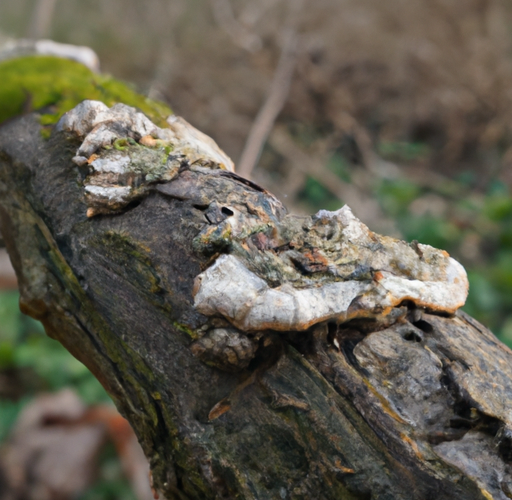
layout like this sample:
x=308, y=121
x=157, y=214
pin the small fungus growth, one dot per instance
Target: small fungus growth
x=124, y=152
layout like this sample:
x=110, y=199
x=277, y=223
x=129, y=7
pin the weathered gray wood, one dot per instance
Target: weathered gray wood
x=415, y=409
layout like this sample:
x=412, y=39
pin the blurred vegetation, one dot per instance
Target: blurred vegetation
x=111, y=483
x=39, y=362
x=406, y=104
x=30, y=363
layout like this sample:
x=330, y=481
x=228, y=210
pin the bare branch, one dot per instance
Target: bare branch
x=7, y=276
x=167, y=61
x=225, y=18
x=41, y=20
x=254, y=11
x=314, y=166
x=272, y=106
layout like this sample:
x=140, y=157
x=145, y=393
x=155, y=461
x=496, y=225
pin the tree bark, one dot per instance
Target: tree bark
x=413, y=406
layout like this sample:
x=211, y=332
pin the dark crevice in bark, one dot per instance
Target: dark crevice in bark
x=424, y=326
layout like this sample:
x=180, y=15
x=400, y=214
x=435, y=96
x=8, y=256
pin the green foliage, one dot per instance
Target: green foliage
x=396, y=195
x=475, y=227
x=9, y=411
x=318, y=196
x=403, y=151
x=24, y=345
x=25, y=348
x=111, y=483
x=340, y=166
x=55, y=85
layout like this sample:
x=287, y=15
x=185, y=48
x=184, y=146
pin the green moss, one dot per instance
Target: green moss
x=122, y=144
x=57, y=85
x=185, y=329
x=132, y=260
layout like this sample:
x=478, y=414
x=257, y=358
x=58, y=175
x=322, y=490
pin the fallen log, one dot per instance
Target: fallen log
x=257, y=354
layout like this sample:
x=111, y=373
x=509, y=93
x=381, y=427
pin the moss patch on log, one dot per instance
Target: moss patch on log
x=56, y=85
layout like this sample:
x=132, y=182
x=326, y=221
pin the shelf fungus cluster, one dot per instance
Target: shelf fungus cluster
x=123, y=152
x=270, y=270
x=329, y=267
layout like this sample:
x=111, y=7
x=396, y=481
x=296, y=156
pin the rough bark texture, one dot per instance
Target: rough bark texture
x=415, y=408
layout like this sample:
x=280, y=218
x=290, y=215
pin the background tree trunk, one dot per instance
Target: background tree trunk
x=416, y=409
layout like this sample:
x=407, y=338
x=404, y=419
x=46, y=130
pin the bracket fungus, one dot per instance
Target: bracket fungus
x=362, y=275
x=123, y=152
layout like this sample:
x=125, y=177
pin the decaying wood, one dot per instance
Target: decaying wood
x=393, y=397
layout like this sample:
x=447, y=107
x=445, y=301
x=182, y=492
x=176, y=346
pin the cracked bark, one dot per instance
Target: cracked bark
x=418, y=408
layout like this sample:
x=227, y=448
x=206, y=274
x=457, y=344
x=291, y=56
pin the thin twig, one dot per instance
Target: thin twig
x=41, y=20
x=254, y=11
x=278, y=93
x=167, y=61
x=8, y=279
x=225, y=18
x=314, y=166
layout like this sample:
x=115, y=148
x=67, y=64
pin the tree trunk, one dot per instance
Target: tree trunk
x=388, y=397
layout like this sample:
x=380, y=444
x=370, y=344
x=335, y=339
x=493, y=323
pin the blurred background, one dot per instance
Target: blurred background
x=401, y=109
